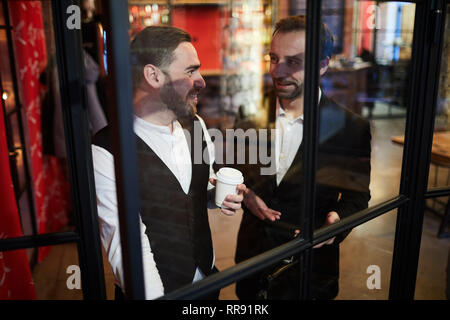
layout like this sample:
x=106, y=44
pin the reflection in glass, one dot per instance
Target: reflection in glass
x=366, y=260
x=369, y=77
x=366, y=83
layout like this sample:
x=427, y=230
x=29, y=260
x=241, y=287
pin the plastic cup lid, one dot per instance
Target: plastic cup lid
x=230, y=175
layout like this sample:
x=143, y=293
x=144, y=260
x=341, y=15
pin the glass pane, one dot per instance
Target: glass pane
x=365, y=57
x=218, y=71
x=272, y=165
x=440, y=155
x=57, y=276
x=434, y=249
x=434, y=261
x=224, y=232
x=368, y=277
x=5, y=70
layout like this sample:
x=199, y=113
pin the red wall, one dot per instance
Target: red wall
x=204, y=25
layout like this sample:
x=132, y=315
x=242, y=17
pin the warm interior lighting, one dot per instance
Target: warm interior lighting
x=4, y=95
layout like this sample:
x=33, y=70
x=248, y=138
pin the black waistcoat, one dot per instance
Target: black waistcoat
x=176, y=223
x=286, y=198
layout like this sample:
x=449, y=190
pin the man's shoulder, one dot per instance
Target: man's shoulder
x=200, y=120
x=102, y=138
x=340, y=128
x=352, y=118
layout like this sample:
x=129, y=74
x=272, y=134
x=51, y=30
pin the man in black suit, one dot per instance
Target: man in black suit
x=273, y=201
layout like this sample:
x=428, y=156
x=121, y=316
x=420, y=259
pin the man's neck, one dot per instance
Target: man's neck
x=152, y=111
x=293, y=107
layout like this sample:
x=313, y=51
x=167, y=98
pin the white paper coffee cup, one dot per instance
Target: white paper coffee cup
x=227, y=181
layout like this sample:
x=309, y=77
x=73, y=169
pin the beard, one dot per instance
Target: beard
x=296, y=92
x=177, y=103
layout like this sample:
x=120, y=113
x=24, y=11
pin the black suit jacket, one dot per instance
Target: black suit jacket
x=342, y=185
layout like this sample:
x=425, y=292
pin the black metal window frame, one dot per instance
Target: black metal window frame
x=426, y=58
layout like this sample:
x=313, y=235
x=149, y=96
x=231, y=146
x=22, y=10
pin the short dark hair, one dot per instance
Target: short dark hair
x=155, y=45
x=298, y=23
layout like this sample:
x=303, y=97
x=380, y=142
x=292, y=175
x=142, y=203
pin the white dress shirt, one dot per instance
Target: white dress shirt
x=172, y=148
x=289, y=136
x=288, y=139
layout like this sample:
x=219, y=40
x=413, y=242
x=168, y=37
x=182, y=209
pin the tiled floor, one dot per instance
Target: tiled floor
x=367, y=245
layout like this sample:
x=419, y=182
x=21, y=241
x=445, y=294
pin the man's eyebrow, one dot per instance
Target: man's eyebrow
x=299, y=56
x=193, y=67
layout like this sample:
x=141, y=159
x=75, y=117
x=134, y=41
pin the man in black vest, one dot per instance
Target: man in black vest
x=272, y=202
x=175, y=233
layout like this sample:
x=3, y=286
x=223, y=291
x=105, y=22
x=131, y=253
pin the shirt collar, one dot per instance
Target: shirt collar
x=140, y=123
x=282, y=112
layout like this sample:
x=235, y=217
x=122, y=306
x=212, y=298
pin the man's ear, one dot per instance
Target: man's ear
x=153, y=76
x=324, y=65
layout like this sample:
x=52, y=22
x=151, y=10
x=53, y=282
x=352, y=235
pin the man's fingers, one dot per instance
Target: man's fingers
x=319, y=245
x=271, y=214
x=227, y=211
x=259, y=215
x=212, y=181
x=234, y=198
x=241, y=188
x=332, y=217
x=328, y=242
x=232, y=205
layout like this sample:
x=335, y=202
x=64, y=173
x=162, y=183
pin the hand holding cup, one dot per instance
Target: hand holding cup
x=229, y=190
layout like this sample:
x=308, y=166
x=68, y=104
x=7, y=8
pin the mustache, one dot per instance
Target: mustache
x=195, y=91
x=284, y=81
